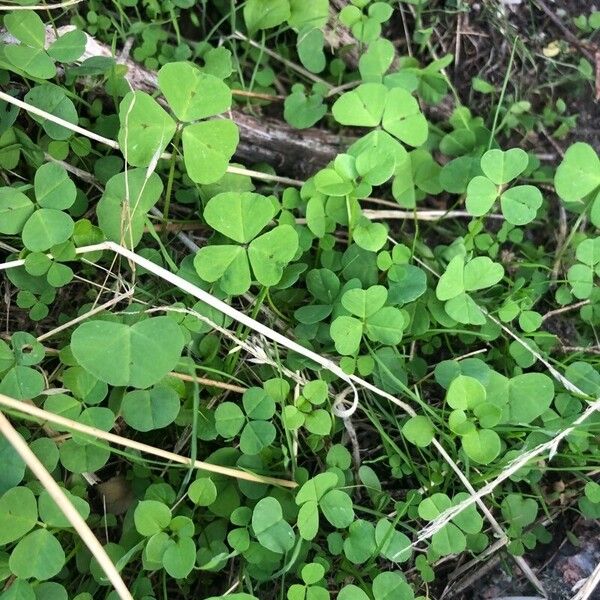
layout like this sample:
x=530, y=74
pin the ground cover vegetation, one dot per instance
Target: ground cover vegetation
x=323, y=278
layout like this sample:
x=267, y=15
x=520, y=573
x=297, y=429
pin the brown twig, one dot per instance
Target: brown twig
x=210, y=382
x=583, y=349
x=564, y=309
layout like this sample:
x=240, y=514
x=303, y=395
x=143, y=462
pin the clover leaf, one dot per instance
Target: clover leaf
x=270, y=528
x=471, y=418
x=150, y=517
x=451, y=283
x=52, y=99
x=518, y=511
x=418, y=430
x=450, y=539
x=403, y=118
x=501, y=167
x=309, y=45
x=257, y=430
x=376, y=60
x=38, y=555
x=414, y=177
x=460, y=278
x=393, y=545
x=123, y=208
x=27, y=27
x=138, y=355
x=207, y=149
x=35, y=62
x=519, y=204
x=360, y=544
x=319, y=493
x=169, y=542
x=581, y=275
x=391, y=585
x=15, y=210
x=31, y=55
x=352, y=592
x=192, y=94
x=146, y=129
x=311, y=574
x=53, y=187
x=365, y=26
x=304, y=411
x=18, y=514
x=578, y=174
x=301, y=109
x=481, y=195
x=45, y=228
x=372, y=104
x=481, y=445
x=241, y=217
x=265, y=14
x=42, y=225
x=529, y=396
x=155, y=408
x=68, y=47
x=380, y=323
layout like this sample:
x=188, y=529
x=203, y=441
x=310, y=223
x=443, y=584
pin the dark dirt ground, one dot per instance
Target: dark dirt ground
x=561, y=566
x=481, y=40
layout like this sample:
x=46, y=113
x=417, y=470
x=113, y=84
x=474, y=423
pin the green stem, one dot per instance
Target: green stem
x=349, y=213
x=194, y=435
x=169, y=191
x=257, y=304
x=275, y=309
x=242, y=332
x=502, y=93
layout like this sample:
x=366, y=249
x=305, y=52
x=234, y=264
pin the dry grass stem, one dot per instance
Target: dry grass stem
x=70, y=512
x=112, y=438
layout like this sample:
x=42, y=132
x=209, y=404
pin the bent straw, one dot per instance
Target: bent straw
x=65, y=505
x=40, y=413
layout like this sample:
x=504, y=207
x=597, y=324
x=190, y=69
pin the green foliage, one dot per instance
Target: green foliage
x=241, y=217
x=461, y=277
x=31, y=56
x=519, y=204
x=370, y=316
x=371, y=104
x=365, y=18
x=420, y=258
x=139, y=355
x=257, y=432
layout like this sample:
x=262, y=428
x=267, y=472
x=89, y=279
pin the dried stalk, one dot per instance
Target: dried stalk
x=63, y=503
x=112, y=438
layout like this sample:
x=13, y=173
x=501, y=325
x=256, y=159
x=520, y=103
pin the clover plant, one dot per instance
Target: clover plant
x=421, y=231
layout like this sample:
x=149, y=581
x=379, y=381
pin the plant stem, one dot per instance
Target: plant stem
x=349, y=213
x=242, y=331
x=172, y=163
x=502, y=93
